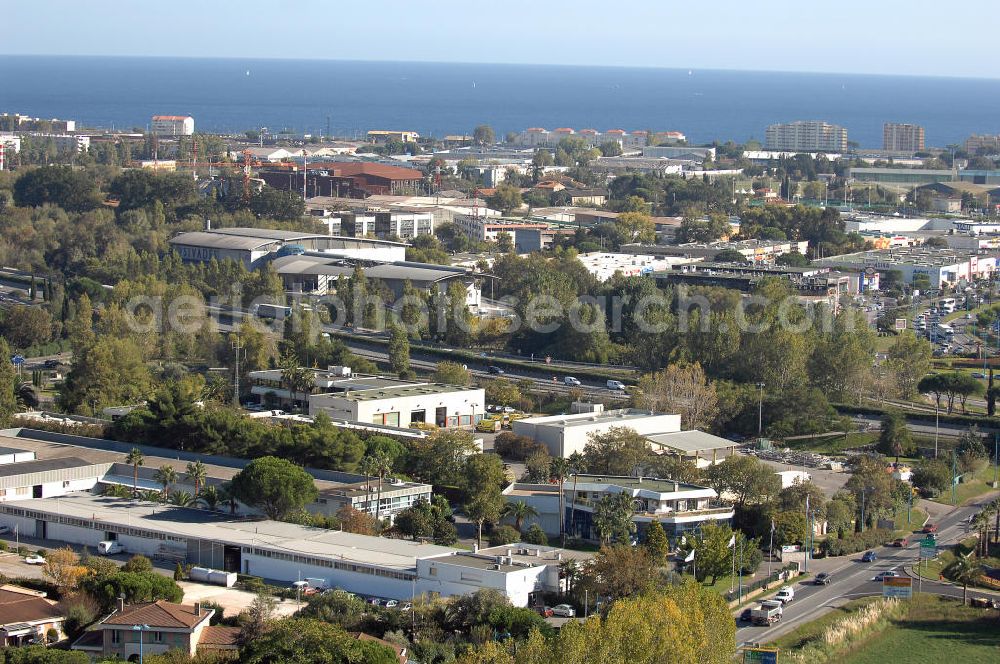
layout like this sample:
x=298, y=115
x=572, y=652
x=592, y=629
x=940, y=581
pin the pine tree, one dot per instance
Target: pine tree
x=8, y=381
x=656, y=542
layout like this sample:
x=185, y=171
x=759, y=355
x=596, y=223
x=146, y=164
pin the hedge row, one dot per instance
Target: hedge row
x=857, y=542
x=981, y=421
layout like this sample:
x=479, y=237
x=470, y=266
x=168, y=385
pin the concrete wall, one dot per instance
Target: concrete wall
x=363, y=584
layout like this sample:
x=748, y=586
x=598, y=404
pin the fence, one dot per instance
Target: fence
x=760, y=585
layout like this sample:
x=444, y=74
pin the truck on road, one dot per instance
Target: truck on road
x=768, y=613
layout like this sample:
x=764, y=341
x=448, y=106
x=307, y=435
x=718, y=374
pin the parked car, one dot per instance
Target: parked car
x=109, y=547
x=391, y=604
x=375, y=601
x=407, y=606
x=564, y=610
x=570, y=380
x=823, y=579
x=930, y=528
x=544, y=611
x=869, y=557
x=495, y=370
x=35, y=559
x=5, y=530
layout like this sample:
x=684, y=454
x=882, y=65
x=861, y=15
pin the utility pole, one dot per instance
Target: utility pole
x=760, y=410
x=954, y=474
x=237, y=347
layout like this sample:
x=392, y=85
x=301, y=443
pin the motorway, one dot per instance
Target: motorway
x=853, y=579
x=548, y=377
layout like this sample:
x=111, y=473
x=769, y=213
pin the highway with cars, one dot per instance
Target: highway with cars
x=851, y=579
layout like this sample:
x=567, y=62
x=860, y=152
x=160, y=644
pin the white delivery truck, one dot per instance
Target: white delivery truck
x=109, y=548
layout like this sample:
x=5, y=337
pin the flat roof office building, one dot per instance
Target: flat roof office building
x=899, y=137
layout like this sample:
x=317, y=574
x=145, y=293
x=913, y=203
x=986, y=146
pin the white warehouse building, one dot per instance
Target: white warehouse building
x=565, y=434
x=274, y=550
x=391, y=402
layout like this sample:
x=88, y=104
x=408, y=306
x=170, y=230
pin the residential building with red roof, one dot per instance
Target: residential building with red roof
x=26, y=616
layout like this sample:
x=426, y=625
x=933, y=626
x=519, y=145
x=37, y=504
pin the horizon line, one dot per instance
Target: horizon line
x=493, y=63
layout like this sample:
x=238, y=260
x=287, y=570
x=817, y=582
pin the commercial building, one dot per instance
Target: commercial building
x=908, y=178
x=487, y=229
x=540, y=137
x=812, y=284
x=397, y=403
x=317, y=274
x=251, y=246
x=898, y=137
x=605, y=265
x=806, y=136
x=386, y=224
x=284, y=552
x=353, y=179
x=703, y=449
x=563, y=435
x=680, y=152
x=172, y=125
x=18, y=122
x=384, y=136
x=756, y=251
x=678, y=506
x=942, y=267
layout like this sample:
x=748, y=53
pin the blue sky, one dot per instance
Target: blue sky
x=918, y=37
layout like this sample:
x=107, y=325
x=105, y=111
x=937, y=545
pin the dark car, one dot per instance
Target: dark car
x=497, y=371
x=51, y=364
x=745, y=616
x=869, y=557
x=823, y=579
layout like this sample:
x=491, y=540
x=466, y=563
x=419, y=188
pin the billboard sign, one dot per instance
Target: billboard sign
x=897, y=586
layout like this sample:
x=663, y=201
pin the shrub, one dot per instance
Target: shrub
x=511, y=446
x=504, y=535
x=78, y=617
x=138, y=564
x=535, y=535
x=856, y=542
x=179, y=573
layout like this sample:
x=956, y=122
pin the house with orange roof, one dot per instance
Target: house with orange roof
x=149, y=628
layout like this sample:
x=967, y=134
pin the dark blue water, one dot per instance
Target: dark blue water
x=438, y=99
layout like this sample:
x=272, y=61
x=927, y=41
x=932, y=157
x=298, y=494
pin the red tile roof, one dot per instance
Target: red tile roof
x=219, y=637
x=18, y=607
x=615, y=131
x=158, y=614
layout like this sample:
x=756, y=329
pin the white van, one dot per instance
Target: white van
x=616, y=385
x=785, y=595
x=109, y=548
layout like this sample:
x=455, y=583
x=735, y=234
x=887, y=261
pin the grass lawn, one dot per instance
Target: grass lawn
x=833, y=444
x=916, y=521
x=972, y=487
x=812, y=630
x=934, y=630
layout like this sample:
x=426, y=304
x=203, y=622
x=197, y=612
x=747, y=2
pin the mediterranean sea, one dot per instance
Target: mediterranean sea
x=351, y=97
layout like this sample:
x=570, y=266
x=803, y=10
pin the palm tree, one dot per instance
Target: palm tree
x=980, y=522
x=558, y=469
x=382, y=466
x=966, y=569
x=211, y=497
x=296, y=378
x=576, y=464
x=995, y=506
x=197, y=472
x=166, y=476
x=368, y=469
x=135, y=459
x=150, y=496
x=181, y=499
x=228, y=498
x=519, y=511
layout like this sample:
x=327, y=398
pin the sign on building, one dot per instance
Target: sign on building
x=900, y=324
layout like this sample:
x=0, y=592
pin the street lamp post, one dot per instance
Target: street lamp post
x=140, y=629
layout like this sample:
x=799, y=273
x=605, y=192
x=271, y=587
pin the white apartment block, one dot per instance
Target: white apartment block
x=807, y=136
x=172, y=125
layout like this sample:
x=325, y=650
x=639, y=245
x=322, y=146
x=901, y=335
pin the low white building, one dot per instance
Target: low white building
x=397, y=403
x=605, y=265
x=678, y=506
x=286, y=552
x=565, y=434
